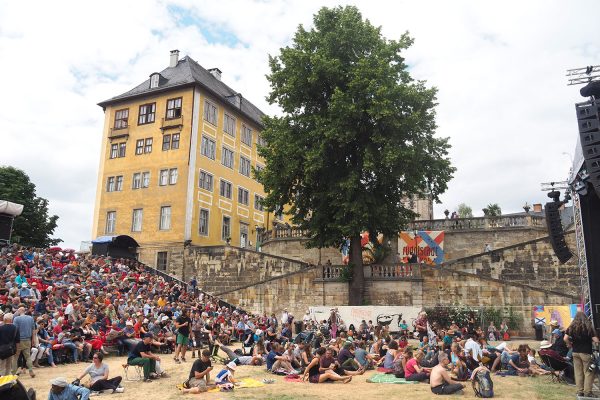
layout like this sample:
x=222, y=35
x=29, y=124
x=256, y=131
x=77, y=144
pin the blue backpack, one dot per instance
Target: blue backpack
x=483, y=385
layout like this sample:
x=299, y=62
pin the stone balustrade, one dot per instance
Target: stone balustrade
x=503, y=221
x=388, y=272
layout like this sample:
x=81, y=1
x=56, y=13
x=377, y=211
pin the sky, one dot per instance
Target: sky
x=499, y=69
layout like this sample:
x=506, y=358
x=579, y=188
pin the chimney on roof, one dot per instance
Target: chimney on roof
x=537, y=207
x=174, y=58
x=216, y=72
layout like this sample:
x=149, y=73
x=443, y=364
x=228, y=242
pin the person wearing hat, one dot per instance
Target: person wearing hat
x=142, y=355
x=24, y=292
x=225, y=376
x=63, y=390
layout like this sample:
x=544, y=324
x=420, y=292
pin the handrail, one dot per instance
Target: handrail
x=503, y=221
x=391, y=272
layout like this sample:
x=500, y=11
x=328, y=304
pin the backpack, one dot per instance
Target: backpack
x=483, y=385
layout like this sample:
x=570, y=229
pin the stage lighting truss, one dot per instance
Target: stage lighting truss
x=578, y=76
x=581, y=258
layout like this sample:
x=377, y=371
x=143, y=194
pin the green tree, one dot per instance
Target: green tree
x=34, y=226
x=464, y=211
x=492, y=210
x=355, y=137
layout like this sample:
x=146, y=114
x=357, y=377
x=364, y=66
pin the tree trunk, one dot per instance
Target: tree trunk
x=357, y=285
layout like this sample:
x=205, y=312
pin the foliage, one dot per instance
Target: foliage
x=34, y=226
x=492, y=210
x=444, y=315
x=464, y=211
x=379, y=251
x=356, y=133
x=346, y=273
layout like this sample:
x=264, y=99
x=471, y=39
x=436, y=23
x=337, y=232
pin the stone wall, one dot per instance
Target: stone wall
x=532, y=263
x=294, y=248
x=463, y=243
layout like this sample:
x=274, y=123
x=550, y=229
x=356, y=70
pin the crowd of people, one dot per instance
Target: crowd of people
x=57, y=307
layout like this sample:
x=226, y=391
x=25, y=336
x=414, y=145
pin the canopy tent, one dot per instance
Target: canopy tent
x=8, y=212
x=121, y=246
x=11, y=209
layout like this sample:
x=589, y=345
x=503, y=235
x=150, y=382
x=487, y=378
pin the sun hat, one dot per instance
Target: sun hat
x=544, y=344
x=60, y=381
x=231, y=365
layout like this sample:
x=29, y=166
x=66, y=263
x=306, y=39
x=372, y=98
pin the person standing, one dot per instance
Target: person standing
x=182, y=323
x=581, y=335
x=26, y=327
x=9, y=337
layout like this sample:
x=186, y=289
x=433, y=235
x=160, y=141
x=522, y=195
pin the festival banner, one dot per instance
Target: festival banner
x=427, y=245
x=562, y=314
x=391, y=316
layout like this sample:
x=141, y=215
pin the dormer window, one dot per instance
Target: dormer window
x=154, y=78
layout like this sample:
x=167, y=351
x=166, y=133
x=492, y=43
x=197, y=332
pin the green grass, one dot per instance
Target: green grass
x=552, y=391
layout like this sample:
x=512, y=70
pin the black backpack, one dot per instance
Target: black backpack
x=483, y=385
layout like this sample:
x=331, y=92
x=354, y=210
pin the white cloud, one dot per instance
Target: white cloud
x=499, y=68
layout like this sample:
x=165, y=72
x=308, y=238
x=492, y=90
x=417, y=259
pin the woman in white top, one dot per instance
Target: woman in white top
x=99, y=381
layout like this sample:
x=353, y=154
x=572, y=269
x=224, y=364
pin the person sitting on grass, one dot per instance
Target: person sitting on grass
x=347, y=360
x=199, y=378
x=142, y=355
x=534, y=366
x=440, y=381
x=225, y=376
x=518, y=364
x=314, y=373
x=413, y=371
x=98, y=372
x=63, y=390
x=277, y=361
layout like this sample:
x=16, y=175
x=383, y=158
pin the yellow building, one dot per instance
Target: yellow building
x=176, y=164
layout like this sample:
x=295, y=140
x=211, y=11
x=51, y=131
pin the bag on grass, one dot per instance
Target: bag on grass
x=483, y=385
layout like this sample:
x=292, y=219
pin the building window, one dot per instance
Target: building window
x=148, y=147
x=163, y=177
x=110, y=184
x=154, y=79
x=170, y=141
x=145, y=179
x=244, y=166
x=258, y=203
x=161, y=261
x=139, y=147
x=242, y=196
x=121, y=117
x=172, y=176
x=136, y=220
x=246, y=135
x=165, y=218
x=210, y=112
x=227, y=157
x=122, y=148
x=243, y=234
x=174, y=108
x=208, y=147
x=147, y=113
x=137, y=181
x=119, y=183
x=260, y=141
x=225, y=189
x=226, y=231
x=203, y=225
x=111, y=221
x=229, y=125
x=206, y=181
x=114, y=150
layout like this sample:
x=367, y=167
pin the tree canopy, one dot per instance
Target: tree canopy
x=356, y=134
x=34, y=226
x=464, y=211
x=492, y=210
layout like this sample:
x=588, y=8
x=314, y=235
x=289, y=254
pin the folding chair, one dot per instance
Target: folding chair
x=557, y=368
x=136, y=375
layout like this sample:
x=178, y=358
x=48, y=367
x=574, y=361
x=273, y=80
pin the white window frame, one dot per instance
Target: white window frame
x=139, y=147
x=210, y=112
x=245, y=166
x=111, y=222
x=257, y=202
x=223, y=235
x=204, y=232
x=246, y=135
x=154, y=79
x=136, y=219
x=136, y=181
x=145, y=179
x=203, y=180
x=119, y=183
x=172, y=176
x=243, y=196
x=163, y=177
x=164, y=223
x=110, y=184
x=229, y=124
x=227, y=157
x=208, y=147
x=223, y=183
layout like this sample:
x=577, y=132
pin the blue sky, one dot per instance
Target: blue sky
x=499, y=69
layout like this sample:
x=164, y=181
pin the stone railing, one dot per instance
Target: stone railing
x=282, y=232
x=388, y=272
x=507, y=221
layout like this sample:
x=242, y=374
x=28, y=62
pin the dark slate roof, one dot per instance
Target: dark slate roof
x=188, y=72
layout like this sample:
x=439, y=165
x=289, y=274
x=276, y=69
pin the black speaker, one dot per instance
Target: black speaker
x=5, y=227
x=588, y=121
x=556, y=233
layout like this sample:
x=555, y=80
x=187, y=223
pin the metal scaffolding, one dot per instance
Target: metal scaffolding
x=581, y=258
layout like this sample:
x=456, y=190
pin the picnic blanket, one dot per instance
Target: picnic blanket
x=292, y=378
x=384, y=370
x=243, y=383
x=387, y=378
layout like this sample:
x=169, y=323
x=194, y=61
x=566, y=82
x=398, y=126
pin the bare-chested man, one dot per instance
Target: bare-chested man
x=440, y=380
